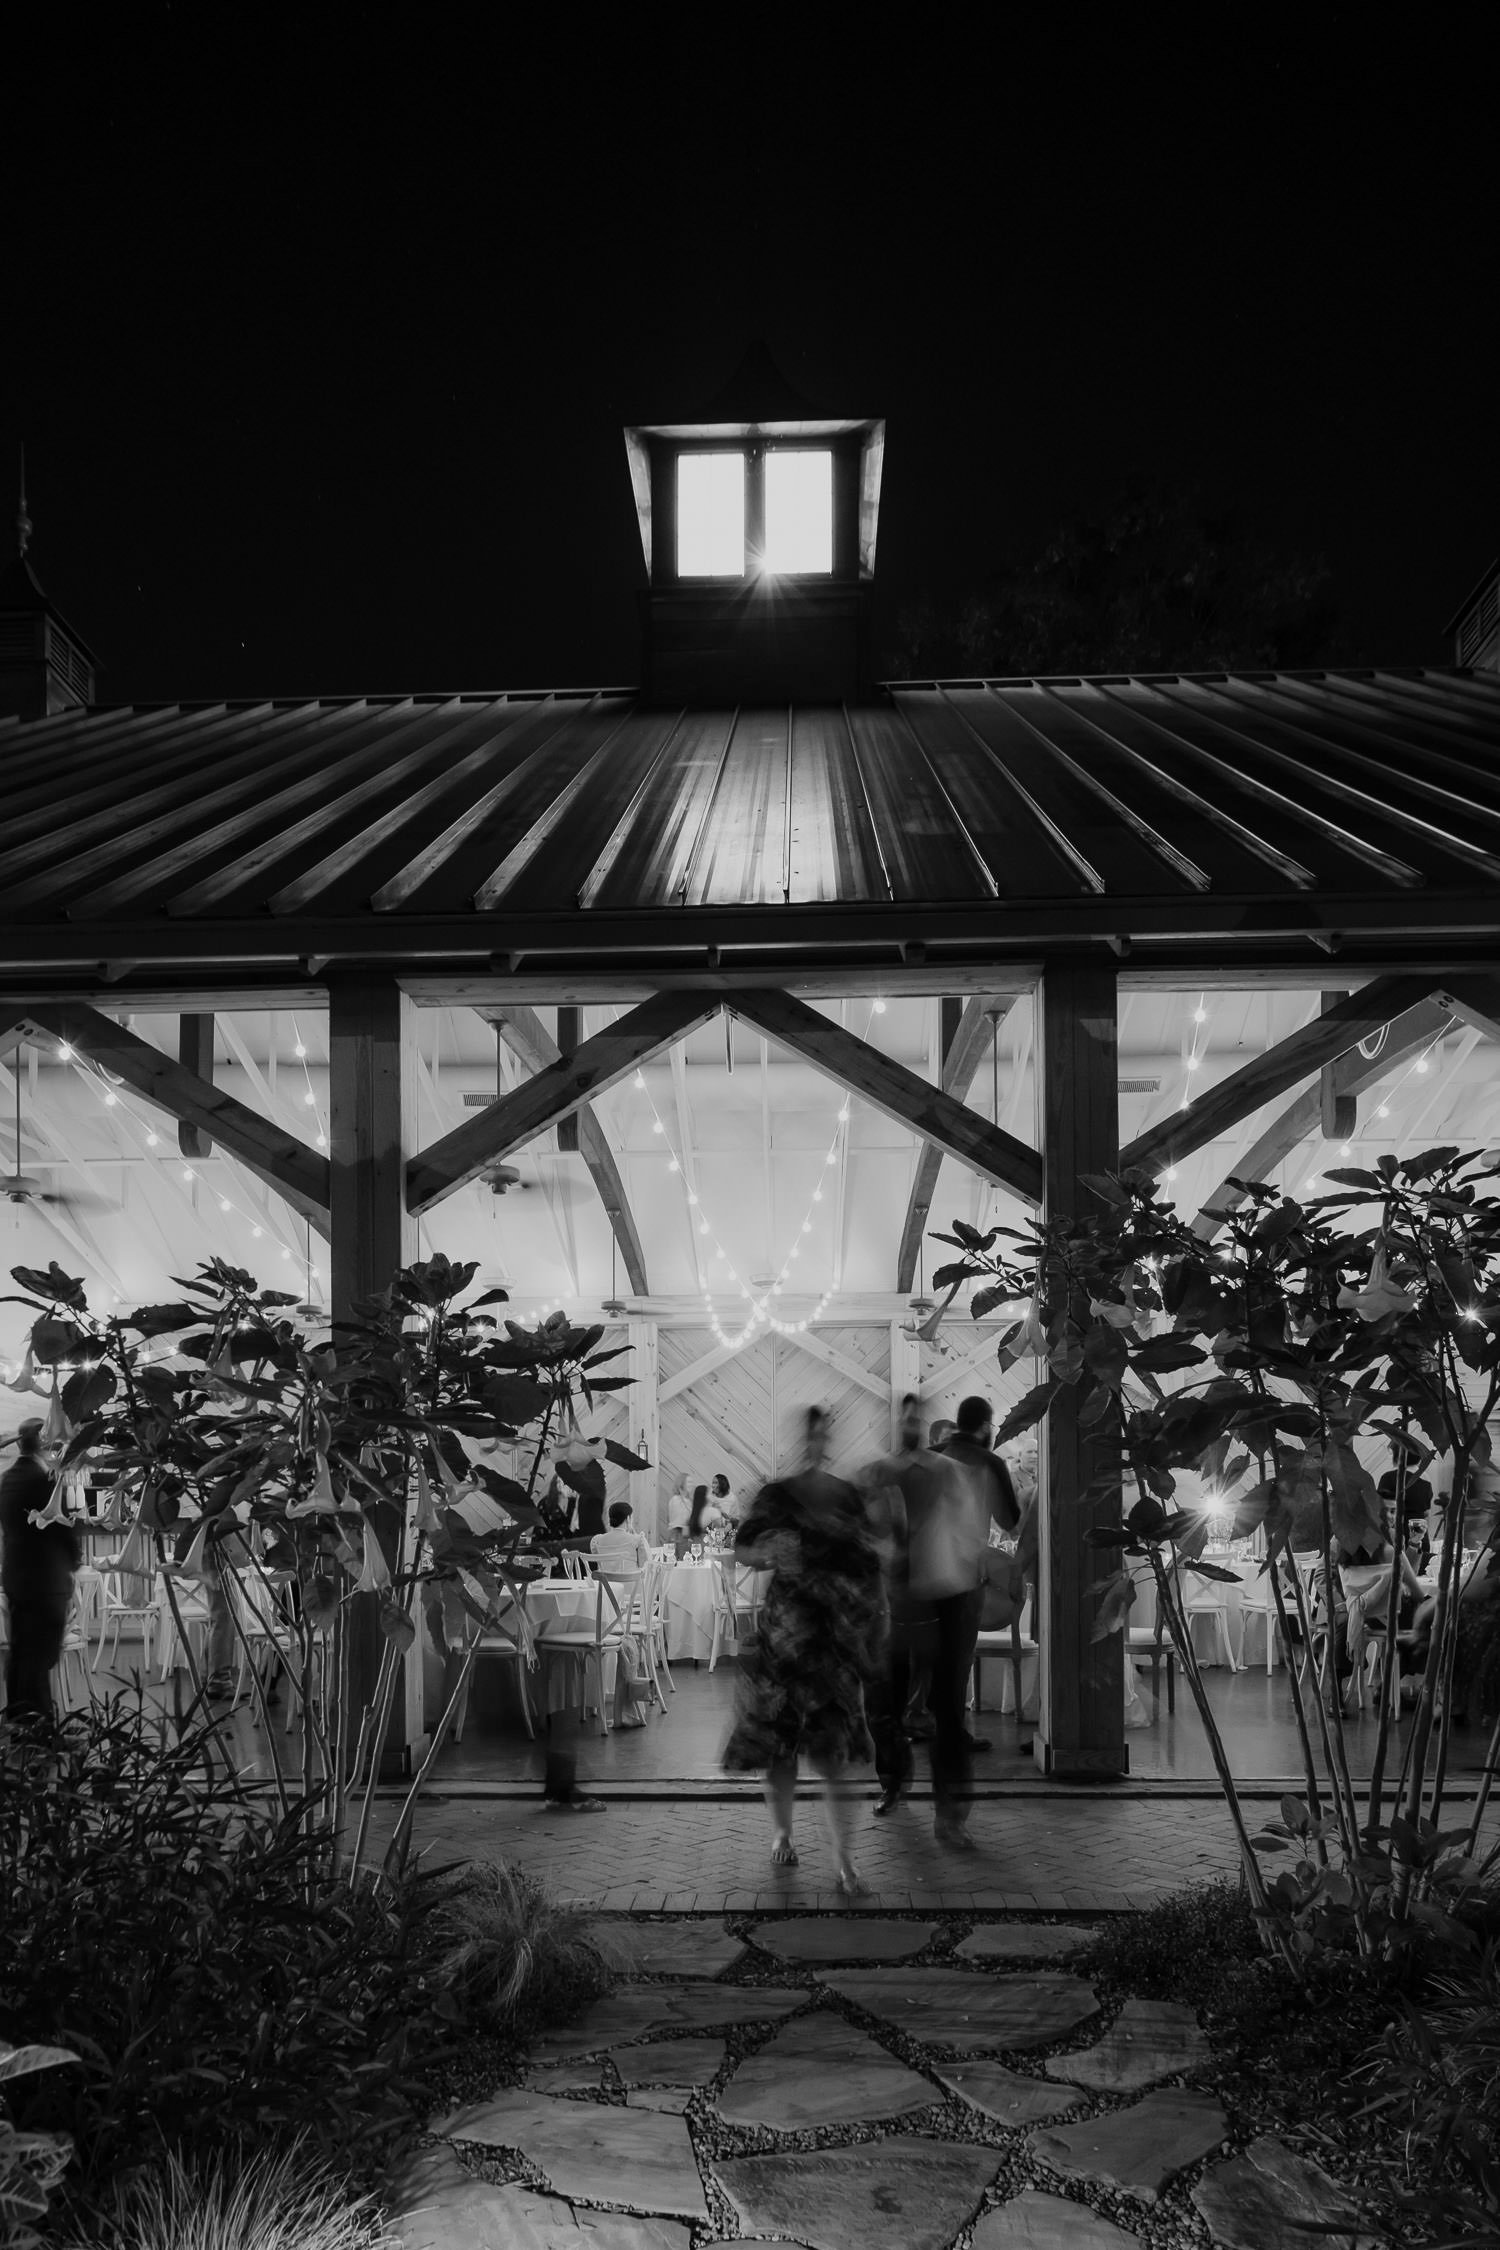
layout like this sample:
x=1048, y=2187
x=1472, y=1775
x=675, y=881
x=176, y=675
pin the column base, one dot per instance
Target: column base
x=399, y=1760
x=1083, y=1765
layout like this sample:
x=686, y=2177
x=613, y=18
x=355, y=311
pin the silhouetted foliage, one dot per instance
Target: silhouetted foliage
x=1159, y=581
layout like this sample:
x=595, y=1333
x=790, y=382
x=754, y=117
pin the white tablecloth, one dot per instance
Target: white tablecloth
x=1247, y=1628
x=690, y=1608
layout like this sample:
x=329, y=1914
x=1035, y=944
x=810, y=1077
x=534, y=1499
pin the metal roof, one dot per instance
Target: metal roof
x=1211, y=802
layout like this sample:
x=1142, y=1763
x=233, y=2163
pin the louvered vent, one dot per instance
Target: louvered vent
x=1140, y=1085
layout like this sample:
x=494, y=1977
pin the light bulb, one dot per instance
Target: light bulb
x=880, y=1007
x=1346, y=1149
x=256, y=1233
x=1171, y=1171
x=309, y=1101
x=807, y=1226
x=844, y=1114
x=65, y=1051
x=1194, y=1062
x=299, y=1051
x=657, y=1125
x=703, y=1227
x=674, y=1166
x=1382, y=1111
x=1200, y=1015
x=153, y=1140
x=640, y=1082
x=188, y=1173
x=830, y=1158
x=286, y=1254
x=817, y=1195
x=322, y=1140
x=692, y=1202
x=110, y=1100
x=795, y=1252
x=224, y=1204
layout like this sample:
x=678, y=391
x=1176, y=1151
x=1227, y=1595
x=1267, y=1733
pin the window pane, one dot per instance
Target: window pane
x=711, y=515
x=799, y=511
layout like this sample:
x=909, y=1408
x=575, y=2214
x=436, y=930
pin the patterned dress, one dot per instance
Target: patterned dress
x=822, y=1630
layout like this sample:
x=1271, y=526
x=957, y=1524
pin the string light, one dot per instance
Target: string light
x=1194, y=1060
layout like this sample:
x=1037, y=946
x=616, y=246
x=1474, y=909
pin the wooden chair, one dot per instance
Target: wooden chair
x=1207, y=1597
x=586, y=1639
x=735, y=1598
x=663, y=1562
x=85, y=1624
x=507, y=1639
x=131, y=1597
x=1015, y=1641
x=1155, y=1643
x=1258, y=1600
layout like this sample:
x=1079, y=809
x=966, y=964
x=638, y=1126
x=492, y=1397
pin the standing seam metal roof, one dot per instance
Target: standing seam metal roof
x=1255, y=785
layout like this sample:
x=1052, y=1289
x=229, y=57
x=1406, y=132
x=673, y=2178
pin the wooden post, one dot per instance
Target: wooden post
x=1082, y=1724
x=645, y=1426
x=371, y=1089
x=195, y=1052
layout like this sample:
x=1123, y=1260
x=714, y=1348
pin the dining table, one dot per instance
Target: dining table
x=690, y=1606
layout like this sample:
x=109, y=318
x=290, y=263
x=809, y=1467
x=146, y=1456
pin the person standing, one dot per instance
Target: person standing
x=821, y=1638
x=901, y=1488
x=726, y=1500
x=37, y=1566
x=948, y=1547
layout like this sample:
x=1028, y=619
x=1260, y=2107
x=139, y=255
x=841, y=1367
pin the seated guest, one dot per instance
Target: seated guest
x=622, y=1546
x=705, y=1515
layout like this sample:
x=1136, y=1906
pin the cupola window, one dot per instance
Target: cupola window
x=711, y=515
x=799, y=511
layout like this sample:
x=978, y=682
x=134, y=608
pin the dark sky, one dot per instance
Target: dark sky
x=320, y=338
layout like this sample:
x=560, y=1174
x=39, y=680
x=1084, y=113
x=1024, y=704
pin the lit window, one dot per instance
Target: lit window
x=711, y=515
x=799, y=511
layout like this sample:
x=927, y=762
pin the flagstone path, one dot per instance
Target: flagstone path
x=972, y=2094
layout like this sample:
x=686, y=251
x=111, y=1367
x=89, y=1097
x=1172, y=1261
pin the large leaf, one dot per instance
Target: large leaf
x=19, y=2062
x=87, y=1391
x=515, y=1398
x=1026, y=1413
x=53, y=1286
x=1162, y=1355
x=54, y=1340
x=160, y=1320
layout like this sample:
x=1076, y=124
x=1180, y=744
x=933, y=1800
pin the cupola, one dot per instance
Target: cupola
x=758, y=519
x=44, y=665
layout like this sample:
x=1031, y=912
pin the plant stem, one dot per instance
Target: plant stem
x=396, y=1849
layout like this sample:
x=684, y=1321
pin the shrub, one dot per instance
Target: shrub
x=287, y=2199
x=513, y=1959
x=1180, y=1948
x=1437, y=2079
x=214, y=1976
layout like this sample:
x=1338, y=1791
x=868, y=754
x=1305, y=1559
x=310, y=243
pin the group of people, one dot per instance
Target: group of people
x=697, y=1511
x=875, y=1588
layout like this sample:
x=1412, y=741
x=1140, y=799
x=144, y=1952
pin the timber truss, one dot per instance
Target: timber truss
x=1356, y=1040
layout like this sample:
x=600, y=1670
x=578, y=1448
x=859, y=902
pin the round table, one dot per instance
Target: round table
x=552, y=1599
x=690, y=1608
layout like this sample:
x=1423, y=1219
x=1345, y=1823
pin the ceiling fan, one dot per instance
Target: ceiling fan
x=22, y=1187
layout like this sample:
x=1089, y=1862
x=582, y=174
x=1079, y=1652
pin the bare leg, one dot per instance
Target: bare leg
x=781, y=1797
x=838, y=1813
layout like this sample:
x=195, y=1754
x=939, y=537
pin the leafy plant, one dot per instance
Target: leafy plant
x=346, y=1464
x=272, y=2199
x=193, y=1951
x=1436, y=2079
x=510, y=1955
x=31, y=2164
x=1257, y=1362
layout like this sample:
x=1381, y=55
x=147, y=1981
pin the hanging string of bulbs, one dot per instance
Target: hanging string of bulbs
x=704, y=1231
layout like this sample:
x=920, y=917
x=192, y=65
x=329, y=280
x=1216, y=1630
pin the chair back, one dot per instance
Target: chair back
x=575, y=1564
x=86, y=1611
x=625, y=1592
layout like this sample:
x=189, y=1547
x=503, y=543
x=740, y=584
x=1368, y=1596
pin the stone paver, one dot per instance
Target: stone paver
x=947, y=2008
x=1006, y=2095
x=670, y=2062
x=1149, y=2040
x=688, y=2006
x=899, y=2194
x=662, y=1949
x=1048, y=2222
x=821, y=2071
x=832, y=1937
x=1022, y=1941
x=1268, y=2199
x=1137, y=2149
x=447, y=2208
x=602, y=2153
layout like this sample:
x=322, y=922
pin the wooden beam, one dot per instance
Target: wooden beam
x=644, y=1396
x=601, y=1062
x=14, y=1026
x=526, y=1036
x=1082, y=1723
x=695, y=1371
x=1411, y=1032
x=891, y=1087
x=1322, y=1041
x=1340, y=1112
x=566, y=1045
x=1477, y=999
x=195, y=1052
x=964, y=1039
x=297, y=1173
x=829, y=1355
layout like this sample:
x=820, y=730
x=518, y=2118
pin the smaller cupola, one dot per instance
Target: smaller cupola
x=45, y=666
x=758, y=520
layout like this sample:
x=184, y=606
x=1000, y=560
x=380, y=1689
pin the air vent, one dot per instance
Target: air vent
x=480, y=1101
x=1140, y=1085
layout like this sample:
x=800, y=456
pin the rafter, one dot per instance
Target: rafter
x=528, y=1039
x=601, y=1062
x=892, y=1088
x=1246, y=1090
x=828, y=1355
x=1408, y=1033
x=959, y=1065
x=298, y=1174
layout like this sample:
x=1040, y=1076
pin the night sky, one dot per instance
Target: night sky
x=320, y=337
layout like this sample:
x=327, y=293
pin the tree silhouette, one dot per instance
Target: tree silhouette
x=1162, y=581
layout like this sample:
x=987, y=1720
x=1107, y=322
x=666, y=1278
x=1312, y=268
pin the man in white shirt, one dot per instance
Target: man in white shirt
x=622, y=1546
